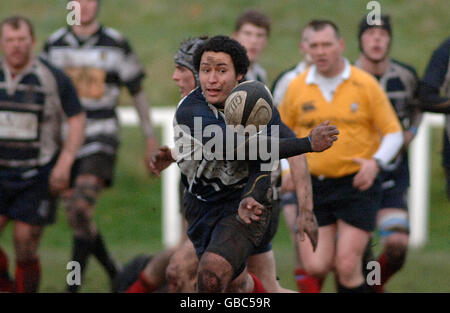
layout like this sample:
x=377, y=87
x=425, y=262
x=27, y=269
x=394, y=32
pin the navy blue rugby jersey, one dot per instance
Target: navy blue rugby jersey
x=33, y=106
x=208, y=178
x=437, y=78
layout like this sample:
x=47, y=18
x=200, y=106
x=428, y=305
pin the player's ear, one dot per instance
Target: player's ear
x=239, y=77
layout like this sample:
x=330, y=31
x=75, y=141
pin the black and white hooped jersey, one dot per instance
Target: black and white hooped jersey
x=33, y=106
x=256, y=72
x=206, y=177
x=400, y=82
x=283, y=80
x=98, y=66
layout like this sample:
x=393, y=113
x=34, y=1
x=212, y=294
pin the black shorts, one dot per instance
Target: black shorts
x=337, y=199
x=28, y=200
x=395, y=186
x=214, y=227
x=99, y=164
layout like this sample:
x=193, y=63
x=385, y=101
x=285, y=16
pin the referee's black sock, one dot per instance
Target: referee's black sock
x=359, y=289
x=80, y=253
x=100, y=252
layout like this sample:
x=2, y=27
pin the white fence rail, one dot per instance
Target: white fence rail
x=418, y=196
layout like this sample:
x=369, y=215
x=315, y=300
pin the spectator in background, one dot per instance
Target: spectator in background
x=35, y=99
x=400, y=82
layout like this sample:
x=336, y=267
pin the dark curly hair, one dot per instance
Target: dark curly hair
x=227, y=45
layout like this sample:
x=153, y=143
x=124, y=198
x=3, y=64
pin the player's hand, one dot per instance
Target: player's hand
x=369, y=170
x=152, y=146
x=307, y=223
x=160, y=160
x=60, y=176
x=249, y=210
x=322, y=136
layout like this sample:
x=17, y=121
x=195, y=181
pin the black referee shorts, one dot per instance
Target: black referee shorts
x=336, y=198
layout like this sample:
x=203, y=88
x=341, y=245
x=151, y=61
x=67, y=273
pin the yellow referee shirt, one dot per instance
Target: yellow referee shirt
x=359, y=108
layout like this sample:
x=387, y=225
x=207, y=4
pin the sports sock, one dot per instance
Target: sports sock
x=359, y=289
x=307, y=283
x=3, y=261
x=28, y=276
x=80, y=253
x=387, y=270
x=102, y=255
x=6, y=285
x=258, y=286
x=141, y=285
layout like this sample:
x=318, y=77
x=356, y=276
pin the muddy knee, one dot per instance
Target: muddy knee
x=80, y=208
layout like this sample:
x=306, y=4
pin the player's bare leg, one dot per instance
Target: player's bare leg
x=264, y=267
x=393, y=226
x=6, y=283
x=214, y=273
x=350, y=247
x=80, y=213
x=317, y=264
x=26, y=242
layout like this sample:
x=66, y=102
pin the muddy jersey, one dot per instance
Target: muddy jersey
x=33, y=106
x=208, y=178
x=99, y=66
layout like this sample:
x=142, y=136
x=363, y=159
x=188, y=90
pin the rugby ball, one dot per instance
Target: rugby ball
x=249, y=103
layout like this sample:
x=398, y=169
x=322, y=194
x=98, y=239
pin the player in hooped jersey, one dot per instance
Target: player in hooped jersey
x=400, y=82
x=35, y=99
x=99, y=60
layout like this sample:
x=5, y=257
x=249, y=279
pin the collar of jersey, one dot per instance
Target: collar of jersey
x=311, y=78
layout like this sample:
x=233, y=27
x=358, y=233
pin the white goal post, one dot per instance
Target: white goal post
x=418, y=197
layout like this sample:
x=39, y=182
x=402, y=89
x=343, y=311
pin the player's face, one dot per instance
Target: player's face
x=88, y=11
x=217, y=76
x=326, y=51
x=253, y=38
x=17, y=45
x=184, y=78
x=375, y=43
